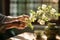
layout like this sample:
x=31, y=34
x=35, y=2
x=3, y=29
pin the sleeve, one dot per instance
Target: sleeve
x=2, y=18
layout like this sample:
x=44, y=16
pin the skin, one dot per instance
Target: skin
x=19, y=23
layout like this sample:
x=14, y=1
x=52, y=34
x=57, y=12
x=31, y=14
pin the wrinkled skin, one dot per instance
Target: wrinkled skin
x=16, y=22
x=19, y=22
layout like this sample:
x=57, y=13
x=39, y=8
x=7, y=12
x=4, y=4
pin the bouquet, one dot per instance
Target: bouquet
x=43, y=14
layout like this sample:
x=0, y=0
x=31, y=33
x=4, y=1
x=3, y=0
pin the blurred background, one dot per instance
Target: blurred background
x=18, y=7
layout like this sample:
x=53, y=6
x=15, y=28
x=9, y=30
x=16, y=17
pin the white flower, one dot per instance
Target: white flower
x=52, y=10
x=39, y=11
x=44, y=6
x=42, y=22
x=31, y=14
x=43, y=16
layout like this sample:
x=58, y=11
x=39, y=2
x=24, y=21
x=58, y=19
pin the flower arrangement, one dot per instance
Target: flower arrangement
x=44, y=13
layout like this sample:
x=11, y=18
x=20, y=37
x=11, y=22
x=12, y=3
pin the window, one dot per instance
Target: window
x=18, y=7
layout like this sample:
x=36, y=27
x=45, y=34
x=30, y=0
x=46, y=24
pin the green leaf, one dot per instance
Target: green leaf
x=31, y=26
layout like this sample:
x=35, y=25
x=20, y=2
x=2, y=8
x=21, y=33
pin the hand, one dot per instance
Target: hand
x=16, y=22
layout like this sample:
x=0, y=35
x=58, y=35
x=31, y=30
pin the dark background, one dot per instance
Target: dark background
x=0, y=6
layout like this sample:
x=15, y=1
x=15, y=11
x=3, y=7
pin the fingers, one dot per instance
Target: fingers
x=11, y=17
x=13, y=21
x=17, y=22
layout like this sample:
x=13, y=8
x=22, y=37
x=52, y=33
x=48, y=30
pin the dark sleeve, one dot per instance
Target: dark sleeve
x=2, y=18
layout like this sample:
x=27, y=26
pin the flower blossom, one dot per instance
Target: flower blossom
x=44, y=6
x=52, y=11
x=42, y=22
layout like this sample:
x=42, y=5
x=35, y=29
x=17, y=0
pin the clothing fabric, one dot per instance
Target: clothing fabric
x=2, y=18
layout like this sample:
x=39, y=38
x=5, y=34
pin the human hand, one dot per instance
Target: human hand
x=17, y=22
